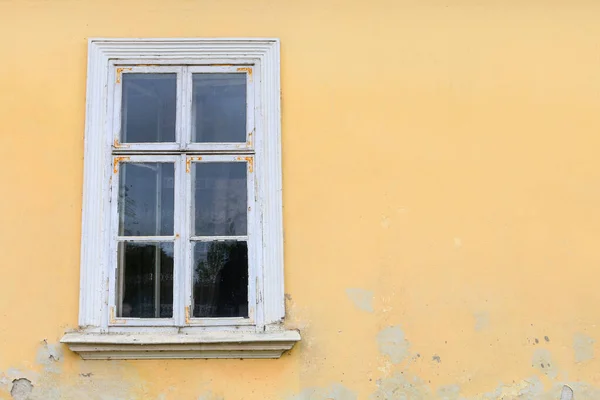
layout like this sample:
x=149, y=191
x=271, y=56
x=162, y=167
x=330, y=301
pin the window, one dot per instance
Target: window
x=182, y=247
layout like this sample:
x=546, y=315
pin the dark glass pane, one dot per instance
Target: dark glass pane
x=220, y=198
x=219, y=108
x=220, y=279
x=146, y=199
x=145, y=280
x=149, y=108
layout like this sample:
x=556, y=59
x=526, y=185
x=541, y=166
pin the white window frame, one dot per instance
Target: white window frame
x=100, y=334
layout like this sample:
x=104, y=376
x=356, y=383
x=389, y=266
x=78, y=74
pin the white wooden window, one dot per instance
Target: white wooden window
x=182, y=246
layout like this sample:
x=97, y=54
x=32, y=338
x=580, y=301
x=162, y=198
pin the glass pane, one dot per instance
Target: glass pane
x=145, y=280
x=219, y=108
x=220, y=279
x=146, y=199
x=149, y=108
x=220, y=198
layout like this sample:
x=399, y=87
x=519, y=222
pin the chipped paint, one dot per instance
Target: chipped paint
x=391, y=342
x=583, y=347
x=482, y=320
x=334, y=391
x=566, y=393
x=362, y=299
x=250, y=161
x=49, y=355
x=188, y=162
x=188, y=313
x=247, y=70
x=112, y=317
x=400, y=387
x=210, y=396
x=21, y=389
x=449, y=392
x=119, y=145
x=117, y=160
x=120, y=72
x=542, y=361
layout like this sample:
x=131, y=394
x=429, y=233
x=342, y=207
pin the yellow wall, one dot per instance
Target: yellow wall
x=441, y=198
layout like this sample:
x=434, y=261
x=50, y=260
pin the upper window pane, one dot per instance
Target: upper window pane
x=149, y=108
x=220, y=198
x=219, y=108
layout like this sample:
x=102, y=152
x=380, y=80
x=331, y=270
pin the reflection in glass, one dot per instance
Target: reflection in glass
x=219, y=108
x=220, y=279
x=149, y=108
x=145, y=280
x=146, y=199
x=220, y=198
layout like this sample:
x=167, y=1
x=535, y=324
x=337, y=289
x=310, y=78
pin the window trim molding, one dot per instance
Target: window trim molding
x=93, y=310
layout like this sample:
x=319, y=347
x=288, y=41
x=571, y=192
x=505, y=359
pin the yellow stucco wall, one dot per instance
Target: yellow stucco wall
x=441, y=198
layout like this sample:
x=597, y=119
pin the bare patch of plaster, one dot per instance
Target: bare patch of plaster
x=210, y=396
x=581, y=391
x=449, y=392
x=403, y=386
x=112, y=380
x=527, y=389
x=533, y=389
x=583, y=347
x=399, y=387
x=362, y=299
x=391, y=342
x=335, y=391
x=50, y=356
x=21, y=389
x=542, y=361
x=482, y=320
x=566, y=393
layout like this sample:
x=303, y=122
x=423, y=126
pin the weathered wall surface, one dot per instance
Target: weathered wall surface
x=442, y=191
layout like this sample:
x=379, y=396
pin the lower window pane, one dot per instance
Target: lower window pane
x=220, y=279
x=145, y=280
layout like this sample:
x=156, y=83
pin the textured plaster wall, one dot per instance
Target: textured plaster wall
x=441, y=194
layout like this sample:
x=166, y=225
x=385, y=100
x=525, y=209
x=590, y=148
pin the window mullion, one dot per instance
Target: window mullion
x=186, y=222
x=178, y=269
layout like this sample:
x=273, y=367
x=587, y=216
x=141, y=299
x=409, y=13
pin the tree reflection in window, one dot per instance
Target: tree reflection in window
x=221, y=279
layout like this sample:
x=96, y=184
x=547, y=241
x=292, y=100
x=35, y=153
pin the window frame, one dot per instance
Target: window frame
x=101, y=146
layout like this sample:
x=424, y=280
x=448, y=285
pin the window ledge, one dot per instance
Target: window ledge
x=119, y=346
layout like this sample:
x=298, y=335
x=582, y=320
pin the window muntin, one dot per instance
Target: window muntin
x=183, y=243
